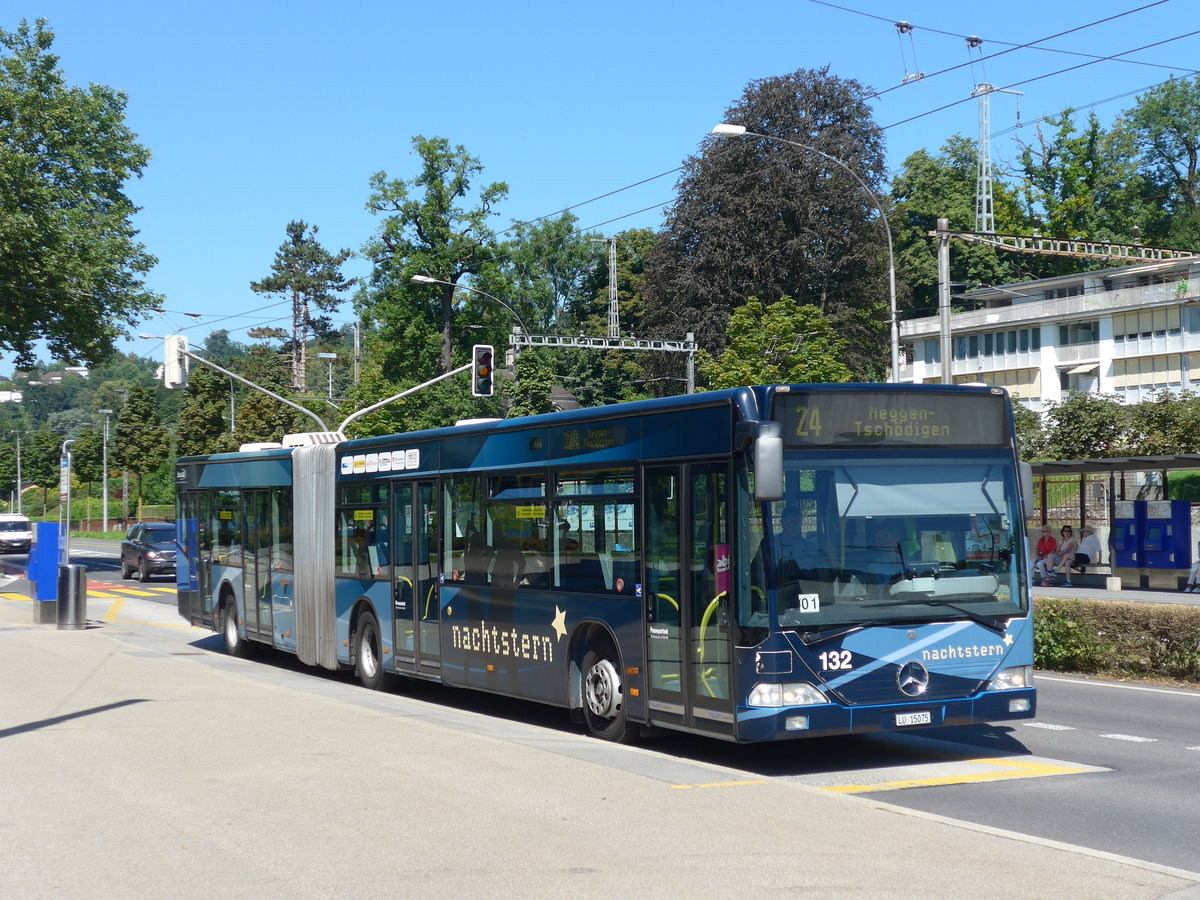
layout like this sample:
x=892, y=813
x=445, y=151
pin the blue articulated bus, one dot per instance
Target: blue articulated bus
x=753, y=564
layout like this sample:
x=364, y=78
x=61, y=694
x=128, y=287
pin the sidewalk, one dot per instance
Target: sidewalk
x=1133, y=595
x=141, y=760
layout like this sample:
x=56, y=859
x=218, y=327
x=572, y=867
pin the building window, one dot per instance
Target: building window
x=1078, y=333
x=1059, y=293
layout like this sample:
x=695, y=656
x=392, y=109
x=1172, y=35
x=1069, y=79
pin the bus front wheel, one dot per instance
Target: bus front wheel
x=368, y=660
x=604, y=697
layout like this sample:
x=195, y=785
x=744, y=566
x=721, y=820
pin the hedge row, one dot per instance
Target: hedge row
x=1100, y=637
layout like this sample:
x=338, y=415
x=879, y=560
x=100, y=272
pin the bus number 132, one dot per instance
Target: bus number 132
x=836, y=660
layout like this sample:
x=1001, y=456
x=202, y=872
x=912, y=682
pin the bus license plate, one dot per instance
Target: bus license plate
x=913, y=718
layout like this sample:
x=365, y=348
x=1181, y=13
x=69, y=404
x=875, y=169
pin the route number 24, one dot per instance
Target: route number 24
x=836, y=660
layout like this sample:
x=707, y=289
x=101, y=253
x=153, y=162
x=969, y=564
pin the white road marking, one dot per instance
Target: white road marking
x=1195, y=695
x=1048, y=726
x=1130, y=737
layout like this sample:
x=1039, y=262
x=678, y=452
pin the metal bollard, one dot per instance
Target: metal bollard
x=72, y=598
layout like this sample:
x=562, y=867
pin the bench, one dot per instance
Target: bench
x=1095, y=574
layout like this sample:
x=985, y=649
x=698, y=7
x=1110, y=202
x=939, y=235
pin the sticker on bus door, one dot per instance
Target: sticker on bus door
x=718, y=562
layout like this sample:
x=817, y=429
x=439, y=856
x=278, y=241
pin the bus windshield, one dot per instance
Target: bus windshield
x=875, y=540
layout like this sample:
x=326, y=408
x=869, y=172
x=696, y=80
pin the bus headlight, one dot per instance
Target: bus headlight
x=1012, y=679
x=798, y=694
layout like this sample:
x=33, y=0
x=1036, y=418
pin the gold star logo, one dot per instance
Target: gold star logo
x=560, y=622
x=1008, y=639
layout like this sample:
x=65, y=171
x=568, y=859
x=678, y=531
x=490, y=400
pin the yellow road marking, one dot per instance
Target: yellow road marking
x=1006, y=769
x=135, y=592
x=715, y=784
x=114, y=610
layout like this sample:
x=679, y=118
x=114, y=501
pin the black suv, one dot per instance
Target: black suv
x=148, y=550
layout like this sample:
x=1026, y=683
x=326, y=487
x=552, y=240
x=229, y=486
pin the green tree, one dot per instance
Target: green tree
x=1164, y=128
x=311, y=278
x=8, y=465
x=1086, y=426
x=40, y=459
x=545, y=267
x=1079, y=183
x=434, y=407
x=433, y=235
x=71, y=271
x=783, y=343
x=529, y=393
x=598, y=377
x=262, y=418
x=87, y=455
x=929, y=188
x=1164, y=425
x=202, y=427
x=760, y=218
x=142, y=441
x=1031, y=437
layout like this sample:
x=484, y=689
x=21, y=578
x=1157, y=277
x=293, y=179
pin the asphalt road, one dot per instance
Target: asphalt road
x=1144, y=800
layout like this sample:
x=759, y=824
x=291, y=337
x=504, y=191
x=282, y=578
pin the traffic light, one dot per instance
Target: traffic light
x=481, y=370
x=175, y=362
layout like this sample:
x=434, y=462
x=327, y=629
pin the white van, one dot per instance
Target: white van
x=16, y=534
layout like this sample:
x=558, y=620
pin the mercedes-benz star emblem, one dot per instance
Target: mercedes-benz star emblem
x=913, y=679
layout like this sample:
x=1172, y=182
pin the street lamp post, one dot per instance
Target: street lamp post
x=425, y=279
x=64, y=502
x=330, y=357
x=727, y=130
x=104, y=470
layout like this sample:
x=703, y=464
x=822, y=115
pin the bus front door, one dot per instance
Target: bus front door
x=686, y=593
x=414, y=588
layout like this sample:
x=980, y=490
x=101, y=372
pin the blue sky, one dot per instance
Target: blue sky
x=258, y=113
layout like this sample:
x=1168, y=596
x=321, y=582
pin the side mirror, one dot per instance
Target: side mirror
x=1026, y=489
x=768, y=462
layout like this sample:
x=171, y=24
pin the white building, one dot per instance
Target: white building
x=1127, y=331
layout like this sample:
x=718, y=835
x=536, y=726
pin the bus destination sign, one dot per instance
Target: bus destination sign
x=892, y=418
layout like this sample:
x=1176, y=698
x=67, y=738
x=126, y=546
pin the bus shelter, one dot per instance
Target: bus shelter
x=1082, y=492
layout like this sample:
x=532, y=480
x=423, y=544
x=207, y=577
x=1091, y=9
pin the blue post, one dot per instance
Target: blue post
x=43, y=572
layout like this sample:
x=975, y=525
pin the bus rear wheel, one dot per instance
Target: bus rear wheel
x=234, y=645
x=604, y=697
x=368, y=658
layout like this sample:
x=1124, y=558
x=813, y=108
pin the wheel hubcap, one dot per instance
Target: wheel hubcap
x=603, y=689
x=367, y=655
x=231, y=632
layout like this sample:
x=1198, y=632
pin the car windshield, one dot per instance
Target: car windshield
x=160, y=533
x=14, y=526
x=882, y=540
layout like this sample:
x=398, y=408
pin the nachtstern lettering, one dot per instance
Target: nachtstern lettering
x=502, y=641
x=971, y=651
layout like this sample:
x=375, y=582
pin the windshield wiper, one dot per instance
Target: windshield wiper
x=998, y=624
x=812, y=638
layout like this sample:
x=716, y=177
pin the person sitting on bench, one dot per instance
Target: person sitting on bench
x=1089, y=548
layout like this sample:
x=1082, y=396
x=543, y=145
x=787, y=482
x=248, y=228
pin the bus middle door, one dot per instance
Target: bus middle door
x=417, y=612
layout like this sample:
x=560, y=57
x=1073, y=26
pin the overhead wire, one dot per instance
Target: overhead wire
x=1034, y=78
